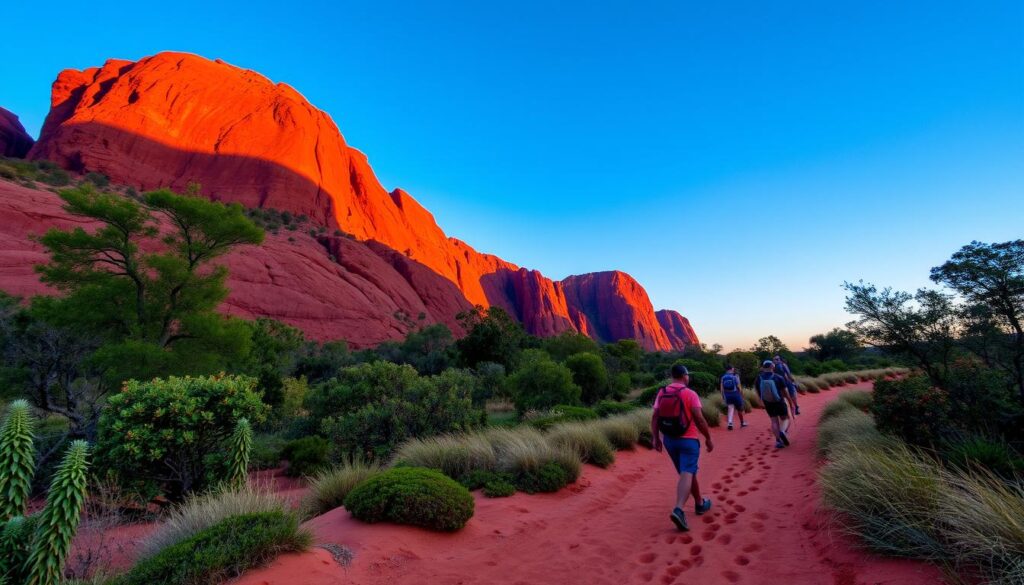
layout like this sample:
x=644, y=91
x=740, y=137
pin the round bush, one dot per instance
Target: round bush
x=414, y=496
x=549, y=477
x=499, y=489
x=306, y=456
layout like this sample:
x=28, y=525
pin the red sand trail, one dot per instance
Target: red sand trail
x=612, y=527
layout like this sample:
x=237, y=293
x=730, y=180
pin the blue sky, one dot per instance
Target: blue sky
x=740, y=159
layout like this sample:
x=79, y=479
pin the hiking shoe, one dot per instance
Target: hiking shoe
x=784, y=438
x=796, y=410
x=778, y=444
x=743, y=425
x=679, y=519
x=702, y=507
x=729, y=427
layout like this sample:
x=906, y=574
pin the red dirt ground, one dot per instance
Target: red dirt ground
x=612, y=527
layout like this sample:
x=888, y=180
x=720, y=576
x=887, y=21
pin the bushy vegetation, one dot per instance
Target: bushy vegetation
x=172, y=434
x=586, y=440
x=412, y=495
x=199, y=512
x=329, y=488
x=306, y=456
x=221, y=551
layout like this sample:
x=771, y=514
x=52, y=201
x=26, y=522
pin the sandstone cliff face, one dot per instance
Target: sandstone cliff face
x=678, y=328
x=173, y=119
x=14, y=141
x=354, y=297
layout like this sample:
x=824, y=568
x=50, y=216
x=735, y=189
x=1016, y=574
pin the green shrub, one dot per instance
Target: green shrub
x=452, y=455
x=590, y=374
x=851, y=378
x=329, y=488
x=17, y=460
x=266, y=451
x=161, y=433
x=646, y=396
x=542, y=384
x=995, y=456
x=59, y=518
x=412, y=495
x=368, y=410
x=549, y=477
x=306, y=456
x=98, y=179
x=241, y=449
x=499, y=489
x=15, y=546
x=479, y=478
x=199, y=512
x=912, y=409
x=607, y=408
x=587, y=440
x=703, y=383
x=222, y=551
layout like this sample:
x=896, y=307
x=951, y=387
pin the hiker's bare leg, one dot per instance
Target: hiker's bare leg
x=775, y=427
x=695, y=491
x=784, y=425
x=739, y=411
x=732, y=410
x=683, y=488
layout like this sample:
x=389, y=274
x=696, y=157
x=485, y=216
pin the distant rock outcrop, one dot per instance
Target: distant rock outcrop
x=677, y=327
x=174, y=119
x=14, y=141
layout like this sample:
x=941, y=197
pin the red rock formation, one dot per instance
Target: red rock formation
x=354, y=297
x=678, y=328
x=175, y=118
x=616, y=307
x=14, y=141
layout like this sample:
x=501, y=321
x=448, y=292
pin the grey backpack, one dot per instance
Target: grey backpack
x=769, y=390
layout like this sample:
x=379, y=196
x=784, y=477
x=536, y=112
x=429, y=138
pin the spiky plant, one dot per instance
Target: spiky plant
x=17, y=460
x=241, y=447
x=59, y=519
x=15, y=541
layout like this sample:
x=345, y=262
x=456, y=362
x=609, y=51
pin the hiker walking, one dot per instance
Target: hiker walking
x=782, y=369
x=676, y=424
x=772, y=388
x=732, y=394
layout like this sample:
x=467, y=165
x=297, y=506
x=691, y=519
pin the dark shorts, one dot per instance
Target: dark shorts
x=778, y=409
x=683, y=452
x=735, y=399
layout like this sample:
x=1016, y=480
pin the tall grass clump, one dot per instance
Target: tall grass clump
x=751, y=397
x=17, y=460
x=222, y=551
x=889, y=497
x=859, y=399
x=620, y=431
x=328, y=489
x=200, y=512
x=536, y=464
x=983, y=519
x=848, y=428
x=586, y=440
x=711, y=411
x=452, y=455
x=59, y=519
x=240, y=451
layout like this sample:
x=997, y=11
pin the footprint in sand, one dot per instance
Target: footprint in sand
x=757, y=527
x=761, y=515
x=709, y=519
x=730, y=518
x=731, y=576
x=740, y=508
x=742, y=561
x=646, y=576
x=709, y=534
x=716, y=485
x=724, y=539
x=752, y=547
x=686, y=539
x=647, y=558
x=695, y=550
x=742, y=493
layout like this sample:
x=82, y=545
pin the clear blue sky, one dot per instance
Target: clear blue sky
x=740, y=159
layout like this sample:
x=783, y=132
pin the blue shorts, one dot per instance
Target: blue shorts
x=735, y=399
x=792, y=388
x=683, y=452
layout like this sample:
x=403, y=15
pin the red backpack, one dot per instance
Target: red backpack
x=673, y=418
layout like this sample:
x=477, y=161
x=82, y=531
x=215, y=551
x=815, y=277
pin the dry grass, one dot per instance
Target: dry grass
x=983, y=519
x=203, y=511
x=846, y=428
x=620, y=431
x=452, y=455
x=588, y=441
x=859, y=399
x=525, y=450
x=327, y=490
x=751, y=397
